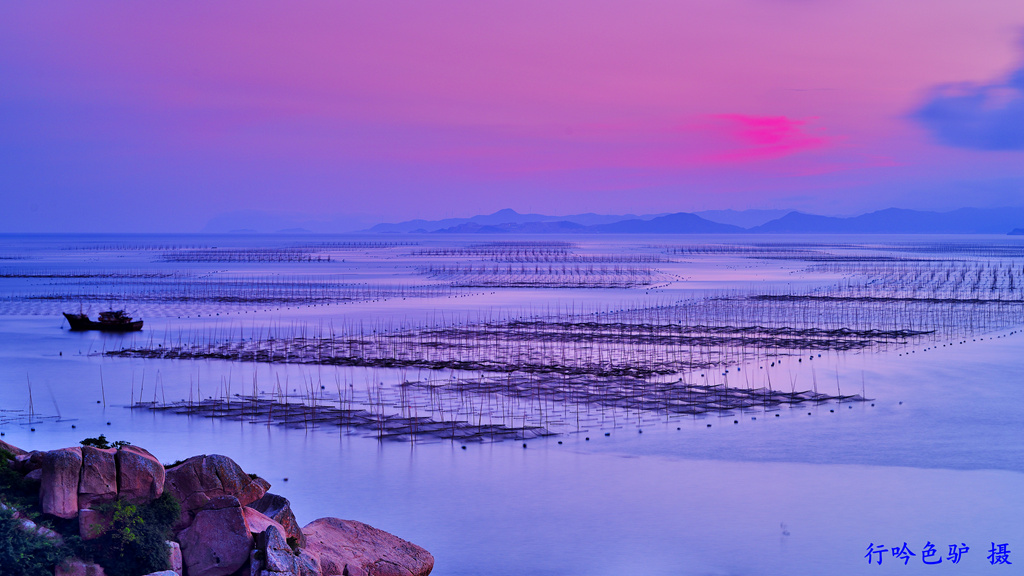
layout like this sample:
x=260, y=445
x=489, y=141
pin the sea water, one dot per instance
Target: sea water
x=936, y=456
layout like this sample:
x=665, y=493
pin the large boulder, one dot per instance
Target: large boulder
x=12, y=449
x=58, y=492
x=218, y=542
x=356, y=549
x=93, y=523
x=199, y=479
x=174, y=556
x=29, y=461
x=308, y=564
x=140, y=476
x=98, y=483
x=273, y=556
x=279, y=509
x=258, y=522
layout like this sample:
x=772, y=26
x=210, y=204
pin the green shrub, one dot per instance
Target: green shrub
x=98, y=442
x=134, y=544
x=14, y=488
x=101, y=442
x=25, y=553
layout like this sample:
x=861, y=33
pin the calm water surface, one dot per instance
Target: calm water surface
x=793, y=494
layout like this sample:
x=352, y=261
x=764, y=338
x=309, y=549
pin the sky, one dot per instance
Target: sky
x=159, y=117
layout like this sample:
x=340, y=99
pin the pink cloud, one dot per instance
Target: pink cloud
x=752, y=138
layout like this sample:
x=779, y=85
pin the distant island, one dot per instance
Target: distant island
x=1001, y=221
x=889, y=221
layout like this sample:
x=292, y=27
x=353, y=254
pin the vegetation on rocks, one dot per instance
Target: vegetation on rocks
x=24, y=553
x=112, y=508
x=134, y=543
x=15, y=489
x=101, y=442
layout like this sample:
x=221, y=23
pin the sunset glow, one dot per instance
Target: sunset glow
x=383, y=113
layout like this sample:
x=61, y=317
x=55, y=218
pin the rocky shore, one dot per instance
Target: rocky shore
x=227, y=523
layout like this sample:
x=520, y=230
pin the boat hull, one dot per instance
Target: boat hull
x=79, y=322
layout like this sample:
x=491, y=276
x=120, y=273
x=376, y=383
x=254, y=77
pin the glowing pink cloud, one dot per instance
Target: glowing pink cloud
x=761, y=138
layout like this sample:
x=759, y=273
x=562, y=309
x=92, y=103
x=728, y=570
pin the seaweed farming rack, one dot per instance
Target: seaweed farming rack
x=492, y=409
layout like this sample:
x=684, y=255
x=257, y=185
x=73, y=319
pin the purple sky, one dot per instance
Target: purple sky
x=158, y=117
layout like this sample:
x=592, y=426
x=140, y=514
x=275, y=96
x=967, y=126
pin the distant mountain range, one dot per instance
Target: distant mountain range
x=742, y=218
x=502, y=221
x=897, y=221
x=1008, y=220
x=888, y=221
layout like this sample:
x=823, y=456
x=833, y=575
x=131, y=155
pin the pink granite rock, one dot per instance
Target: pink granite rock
x=98, y=482
x=14, y=450
x=308, y=564
x=174, y=557
x=31, y=527
x=272, y=555
x=279, y=509
x=140, y=476
x=58, y=492
x=29, y=461
x=258, y=522
x=93, y=523
x=356, y=549
x=197, y=480
x=218, y=541
x=76, y=567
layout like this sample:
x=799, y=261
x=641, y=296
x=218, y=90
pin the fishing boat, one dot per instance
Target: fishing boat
x=110, y=321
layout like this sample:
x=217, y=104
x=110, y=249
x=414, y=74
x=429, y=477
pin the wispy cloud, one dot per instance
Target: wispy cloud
x=977, y=116
x=751, y=138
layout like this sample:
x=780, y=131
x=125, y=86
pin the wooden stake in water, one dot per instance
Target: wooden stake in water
x=31, y=406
